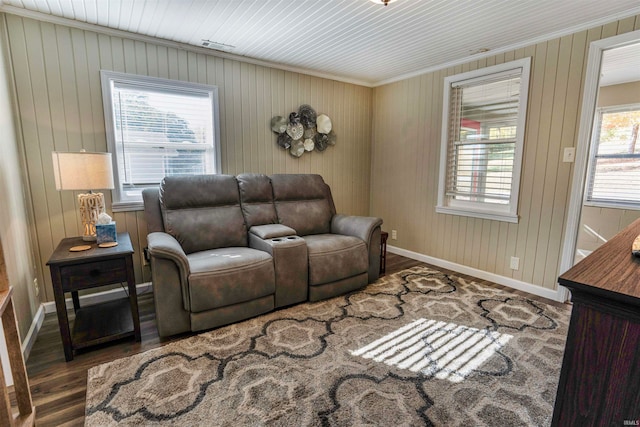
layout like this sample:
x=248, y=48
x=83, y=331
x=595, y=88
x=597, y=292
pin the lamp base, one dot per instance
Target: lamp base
x=91, y=205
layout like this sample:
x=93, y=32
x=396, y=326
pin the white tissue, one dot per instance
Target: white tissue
x=104, y=218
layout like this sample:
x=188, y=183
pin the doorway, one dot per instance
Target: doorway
x=612, y=85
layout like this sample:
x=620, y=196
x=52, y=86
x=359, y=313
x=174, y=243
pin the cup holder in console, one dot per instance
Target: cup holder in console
x=285, y=239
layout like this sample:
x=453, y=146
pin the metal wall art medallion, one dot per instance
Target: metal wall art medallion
x=303, y=131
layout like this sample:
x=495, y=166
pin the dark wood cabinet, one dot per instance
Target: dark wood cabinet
x=600, y=378
x=74, y=271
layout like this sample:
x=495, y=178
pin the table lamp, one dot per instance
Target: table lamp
x=85, y=171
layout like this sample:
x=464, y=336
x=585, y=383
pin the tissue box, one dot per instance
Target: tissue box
x=106, y=233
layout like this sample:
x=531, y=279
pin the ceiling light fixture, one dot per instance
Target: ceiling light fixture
x=384, y=2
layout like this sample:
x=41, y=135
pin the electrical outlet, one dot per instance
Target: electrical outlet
x=35, y=285
x=515, y=263
x=394, y=234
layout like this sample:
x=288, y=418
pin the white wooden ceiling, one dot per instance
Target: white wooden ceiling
x=353, y=40
x=620, y=65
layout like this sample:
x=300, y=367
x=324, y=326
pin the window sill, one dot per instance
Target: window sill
x=127, y=206
x=614, y=205
x=496, y=216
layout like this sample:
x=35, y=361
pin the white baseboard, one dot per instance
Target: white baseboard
x=50, y=307
x=30, y=338
x=556, y=295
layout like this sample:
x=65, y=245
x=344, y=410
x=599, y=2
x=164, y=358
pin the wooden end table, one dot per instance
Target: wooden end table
x=383, y=252
x=74, y=271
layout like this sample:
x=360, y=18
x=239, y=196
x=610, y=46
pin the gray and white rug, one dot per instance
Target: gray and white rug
x=419, y=347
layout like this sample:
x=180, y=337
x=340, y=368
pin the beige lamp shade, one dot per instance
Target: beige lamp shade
x=85, y=171
x=82, y=171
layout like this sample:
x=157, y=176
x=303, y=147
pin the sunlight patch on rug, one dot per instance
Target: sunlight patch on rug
x=439, y=349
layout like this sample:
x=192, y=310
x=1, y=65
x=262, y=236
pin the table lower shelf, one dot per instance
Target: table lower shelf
x=99, y=323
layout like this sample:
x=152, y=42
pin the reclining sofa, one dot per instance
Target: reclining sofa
x=226, y=248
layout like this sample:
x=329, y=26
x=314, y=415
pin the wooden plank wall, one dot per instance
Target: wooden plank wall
x=56, y=70
x=406, y=154
x=14, y=217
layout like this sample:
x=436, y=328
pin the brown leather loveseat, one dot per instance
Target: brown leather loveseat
x=226, y=248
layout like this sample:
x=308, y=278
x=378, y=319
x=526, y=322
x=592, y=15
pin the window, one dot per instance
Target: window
x=614, y=166
x=482, y=141
x=157, y=127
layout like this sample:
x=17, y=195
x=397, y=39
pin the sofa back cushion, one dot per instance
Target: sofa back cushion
x=152, y=209
x=256, y=197
x=203, y=211
x=303, y=202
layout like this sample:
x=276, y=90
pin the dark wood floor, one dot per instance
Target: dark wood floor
x=59, y=388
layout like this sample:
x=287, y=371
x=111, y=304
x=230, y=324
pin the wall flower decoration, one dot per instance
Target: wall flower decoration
x=297, y=149
x=323, y=124
x=284, y=140
x=295, y=131
x=307, y=116
x=278, y=124
x=303, y=131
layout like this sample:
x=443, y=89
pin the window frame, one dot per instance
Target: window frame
x=591, y=164
x=108, y=78
x=508, y=212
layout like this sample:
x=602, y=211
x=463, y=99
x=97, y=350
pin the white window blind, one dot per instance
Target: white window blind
x=614, y=167
x=157, y=128
x=482, y=142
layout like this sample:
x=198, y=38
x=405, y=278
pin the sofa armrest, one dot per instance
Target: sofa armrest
x=165, y=246
x=365, y=228
x=269, y=231
x=356, y=226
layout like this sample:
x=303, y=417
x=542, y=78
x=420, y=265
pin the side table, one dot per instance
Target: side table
x=73, y=271
x=383, y=252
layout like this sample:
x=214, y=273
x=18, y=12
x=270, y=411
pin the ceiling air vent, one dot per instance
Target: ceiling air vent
x=216, y=46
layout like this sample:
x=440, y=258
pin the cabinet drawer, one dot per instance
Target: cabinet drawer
x=82, y=276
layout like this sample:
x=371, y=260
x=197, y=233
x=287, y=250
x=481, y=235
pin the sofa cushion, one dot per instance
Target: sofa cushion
x=256, y=196
x=334, y=257
x=303, y=202
x=203, y=211
x=225, y=276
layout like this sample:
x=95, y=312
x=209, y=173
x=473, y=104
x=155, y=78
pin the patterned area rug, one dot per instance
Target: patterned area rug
x=418, y=347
